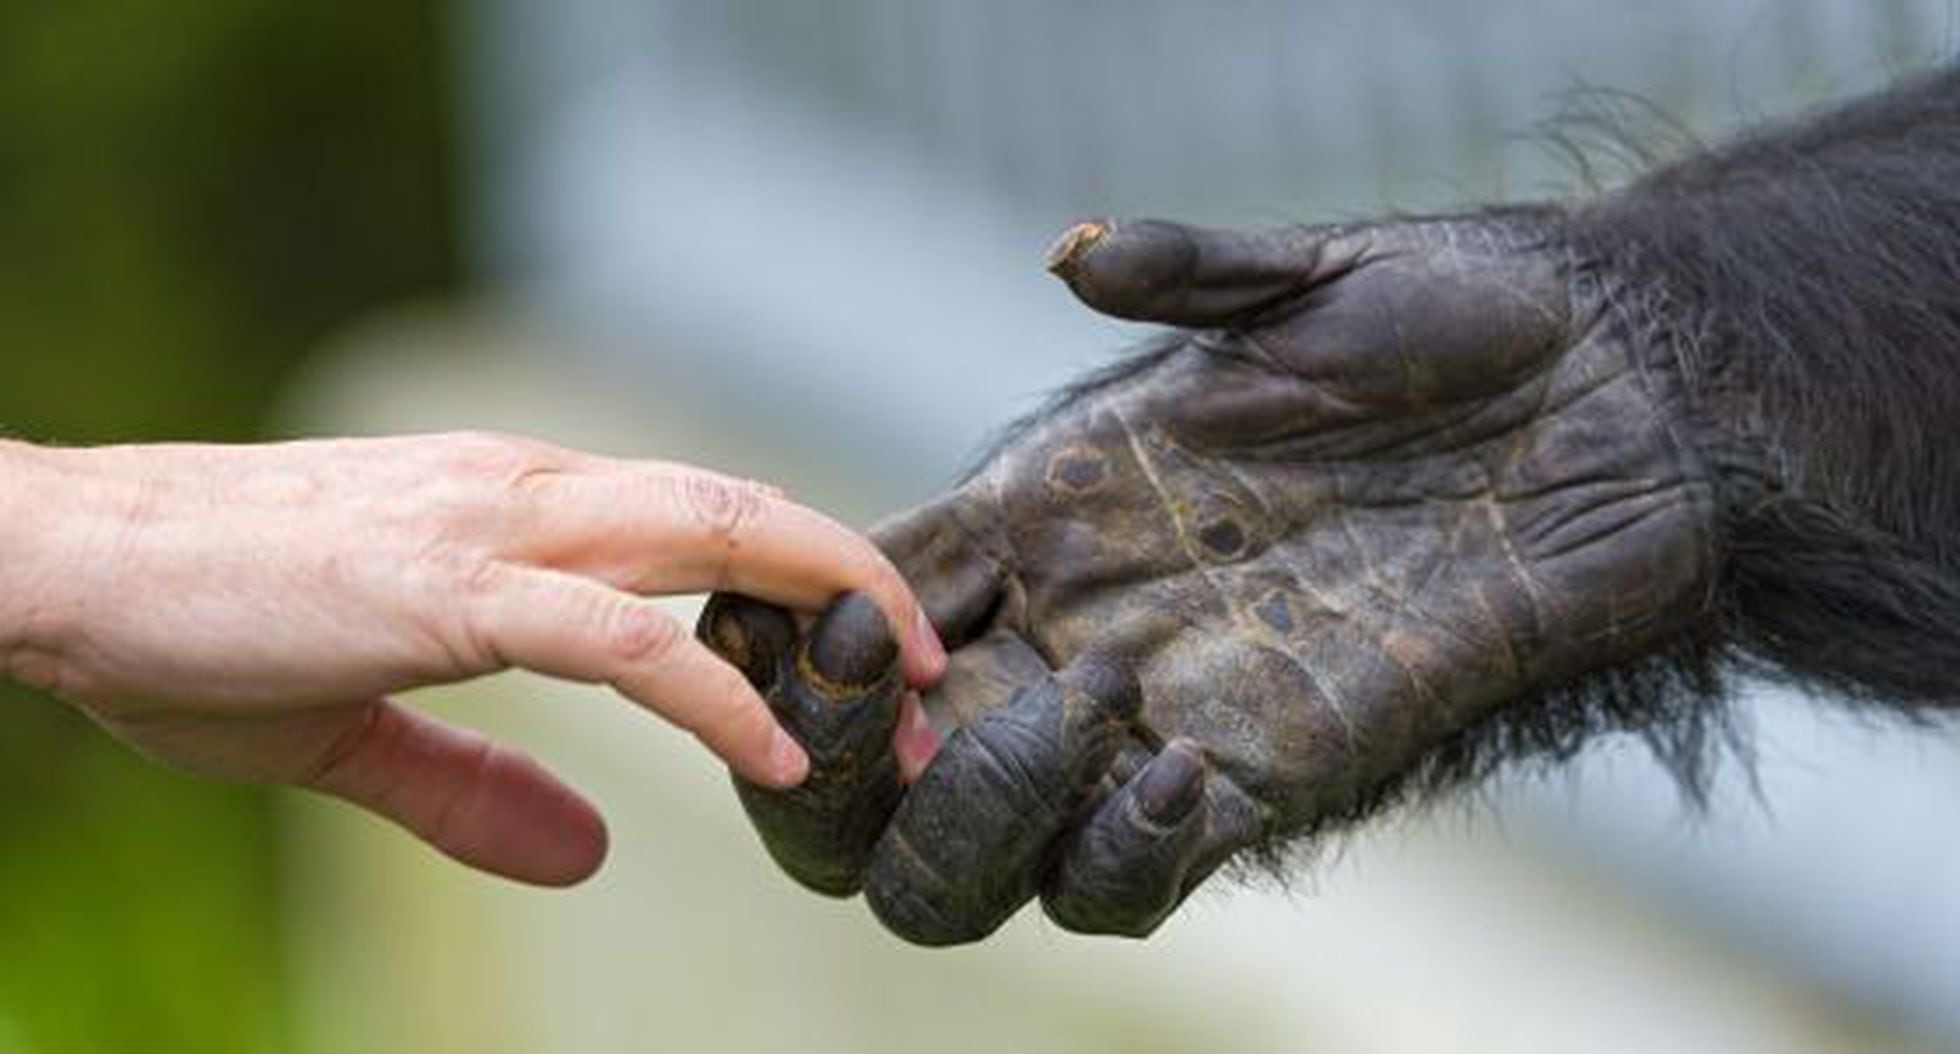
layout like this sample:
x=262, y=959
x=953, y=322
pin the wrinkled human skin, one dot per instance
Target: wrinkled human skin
x=1386, y=480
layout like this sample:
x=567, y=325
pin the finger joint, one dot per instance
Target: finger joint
x=639, y=634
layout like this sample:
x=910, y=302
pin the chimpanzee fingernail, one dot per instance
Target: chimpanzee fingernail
x=1075, y=243
x=851, y=645
x=1110, y=682
x=1172, y=784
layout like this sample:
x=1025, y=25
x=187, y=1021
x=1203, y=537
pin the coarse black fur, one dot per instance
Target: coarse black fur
x=1806, y=282
x=1137, y=360
x=1802, y=284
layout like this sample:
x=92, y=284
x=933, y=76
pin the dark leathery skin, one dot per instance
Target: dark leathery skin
x=837, y=692
x=1356, y=522
x=967, y=846
x=1125, y=868
x=1386, y=480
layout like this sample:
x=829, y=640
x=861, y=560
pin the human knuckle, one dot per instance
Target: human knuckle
x=466, y=621
x=468, y=484
x=44, y=671
x=882, y=577
x=637, y=633
x=491, y=455
x=721, y=507
x=732, y=718
x=370, y=733
x=463, y=571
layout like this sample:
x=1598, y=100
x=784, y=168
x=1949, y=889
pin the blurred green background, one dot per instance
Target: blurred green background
x=192, y=195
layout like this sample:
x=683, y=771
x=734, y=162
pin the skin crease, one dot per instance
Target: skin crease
x=1396, y=503
x=244, y=612
x=1387, y=479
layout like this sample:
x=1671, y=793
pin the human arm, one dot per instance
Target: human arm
x=245, y=611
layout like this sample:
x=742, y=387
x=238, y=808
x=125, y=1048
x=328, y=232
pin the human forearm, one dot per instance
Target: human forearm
x=244, y=612
x=36, y=522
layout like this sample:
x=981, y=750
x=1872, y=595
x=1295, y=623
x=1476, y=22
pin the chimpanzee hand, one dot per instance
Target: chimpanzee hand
x=1387, y=480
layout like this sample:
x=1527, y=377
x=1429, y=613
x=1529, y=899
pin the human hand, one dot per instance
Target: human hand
x=1390, y=484
x=243, y=612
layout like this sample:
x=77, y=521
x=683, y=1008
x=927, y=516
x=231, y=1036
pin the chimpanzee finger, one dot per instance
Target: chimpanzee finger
x=1123, y=871
x=838, y=694
x=1148, y=845
x=943, y=551
x=753, y=635
x=968, y=845
x=1156, y=271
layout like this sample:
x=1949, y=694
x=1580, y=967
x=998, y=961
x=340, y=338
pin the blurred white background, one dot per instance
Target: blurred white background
x=802, y=241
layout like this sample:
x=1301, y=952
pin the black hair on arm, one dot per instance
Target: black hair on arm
x=1801, y=288
x=1805, y=283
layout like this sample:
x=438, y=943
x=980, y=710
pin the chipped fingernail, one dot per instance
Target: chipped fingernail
x=1075, y=243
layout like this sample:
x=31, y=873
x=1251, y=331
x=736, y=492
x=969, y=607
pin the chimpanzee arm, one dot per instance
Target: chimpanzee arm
x=1396, y=502
x=1806, y=283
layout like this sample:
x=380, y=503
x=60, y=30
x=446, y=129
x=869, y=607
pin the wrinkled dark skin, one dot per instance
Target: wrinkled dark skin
x=1388, y=480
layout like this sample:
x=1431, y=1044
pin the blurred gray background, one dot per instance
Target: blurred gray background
x=803, y=241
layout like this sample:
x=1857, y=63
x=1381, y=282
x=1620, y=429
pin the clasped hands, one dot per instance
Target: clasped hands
x=1379, y=485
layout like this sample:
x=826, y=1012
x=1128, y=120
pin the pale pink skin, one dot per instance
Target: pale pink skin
x=245, y=611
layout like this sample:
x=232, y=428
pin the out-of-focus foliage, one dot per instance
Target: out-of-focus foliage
x=136, y=907
x=191, y=195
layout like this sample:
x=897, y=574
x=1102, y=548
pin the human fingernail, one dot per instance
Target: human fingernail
x=918, y=741
x=930, y=646
x=788, y=763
